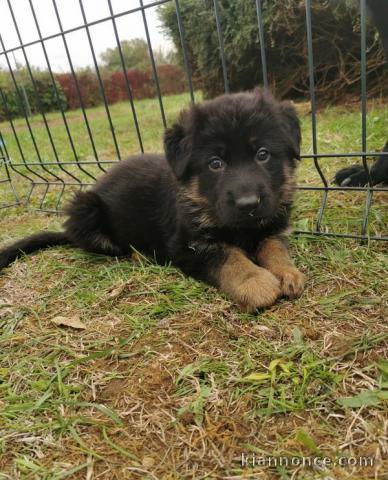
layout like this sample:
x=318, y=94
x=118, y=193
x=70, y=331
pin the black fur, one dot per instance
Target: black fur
x=31, y=244
x=355, y=176
x=175, y=207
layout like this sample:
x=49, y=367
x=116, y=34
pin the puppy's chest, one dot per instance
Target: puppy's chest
x=246, y=240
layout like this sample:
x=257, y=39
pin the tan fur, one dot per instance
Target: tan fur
x=192, y=192
x=103, y=242
x=197, y=204
x=248, y=285
x=273, y=255
x=288, y=187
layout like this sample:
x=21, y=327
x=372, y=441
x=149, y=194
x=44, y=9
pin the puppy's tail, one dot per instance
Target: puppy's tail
x=88, y=224
x=30, y=244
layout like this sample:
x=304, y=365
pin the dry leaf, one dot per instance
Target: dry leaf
x=73, y=322
x=148, y=462
x=263, y=328
x=117, y=291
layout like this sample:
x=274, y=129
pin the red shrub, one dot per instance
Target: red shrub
x=88, y=85
x=141, y=83
x=171, y=80
x=114, y=86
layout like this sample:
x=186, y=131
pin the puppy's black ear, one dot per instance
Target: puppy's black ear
x=292, y=125
x=177, y=143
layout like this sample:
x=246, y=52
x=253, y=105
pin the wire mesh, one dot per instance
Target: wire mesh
x=50, y=170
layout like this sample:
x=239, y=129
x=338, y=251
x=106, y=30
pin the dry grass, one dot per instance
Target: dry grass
x=169, y=381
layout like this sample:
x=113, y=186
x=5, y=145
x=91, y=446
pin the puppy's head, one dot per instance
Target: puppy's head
x=236, y=155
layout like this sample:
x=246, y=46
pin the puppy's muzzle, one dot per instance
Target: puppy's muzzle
x=248, y=204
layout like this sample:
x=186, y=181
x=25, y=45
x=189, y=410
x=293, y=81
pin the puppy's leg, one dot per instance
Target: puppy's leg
x=379, y=170
x=247, y=284
x=355, y=176
x=273, y=255
x=231, y=271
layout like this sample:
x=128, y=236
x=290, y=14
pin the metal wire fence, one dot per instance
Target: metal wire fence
x=48, y=171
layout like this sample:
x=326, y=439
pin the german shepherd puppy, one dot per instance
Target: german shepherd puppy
x=217, y=205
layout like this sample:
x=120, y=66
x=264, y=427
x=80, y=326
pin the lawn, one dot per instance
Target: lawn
x=163, y=378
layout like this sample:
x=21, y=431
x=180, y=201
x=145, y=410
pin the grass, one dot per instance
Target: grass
x=167, y=379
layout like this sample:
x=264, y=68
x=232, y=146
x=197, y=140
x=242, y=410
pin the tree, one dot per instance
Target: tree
x=336, y=46
x=136, y=55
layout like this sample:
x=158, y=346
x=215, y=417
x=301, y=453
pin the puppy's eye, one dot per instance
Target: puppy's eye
x=216, y=164
x=262, y=155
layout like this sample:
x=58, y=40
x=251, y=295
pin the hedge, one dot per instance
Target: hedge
x=336, y=47
x=46, y=97
x=171, y=80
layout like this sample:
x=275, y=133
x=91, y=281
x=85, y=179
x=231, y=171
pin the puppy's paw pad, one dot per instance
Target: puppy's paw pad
x=292, y=282
x=354, y=176
x=258, y=291
x=346, y=172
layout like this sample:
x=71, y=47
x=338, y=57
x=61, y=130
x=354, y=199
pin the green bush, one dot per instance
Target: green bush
x=43, y=97
x=336, y=45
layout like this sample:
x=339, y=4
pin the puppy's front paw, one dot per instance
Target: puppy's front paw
x=291, y=281
x=354, y=176
x=258, y=290
x=248, y=285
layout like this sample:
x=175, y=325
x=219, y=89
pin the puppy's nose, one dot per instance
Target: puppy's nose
x=248, y=202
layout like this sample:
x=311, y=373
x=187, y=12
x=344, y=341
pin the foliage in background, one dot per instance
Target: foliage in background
x=171, y=80
x=88, y=87
x=135, y=54
x=336, y=45
x=26, y=98
x=17, y=103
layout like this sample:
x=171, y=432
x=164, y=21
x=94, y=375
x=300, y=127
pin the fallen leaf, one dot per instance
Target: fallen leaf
x=256, y=377
x=73, y=322
x=148, y=462
x=274, y=364
x=365, y=398
x=263, y=328
x=117, y=291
